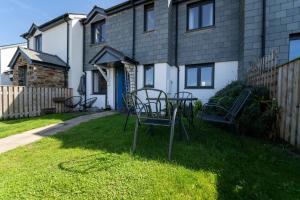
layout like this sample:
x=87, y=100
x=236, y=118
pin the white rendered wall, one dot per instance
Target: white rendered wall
x=100, y=103
x=6, y=54
x=225, y=73
x=75, y=54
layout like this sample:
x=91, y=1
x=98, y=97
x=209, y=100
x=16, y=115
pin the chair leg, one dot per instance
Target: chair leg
x=125, y=125
x=171, y=141
x=135, y=135
x=184, y=130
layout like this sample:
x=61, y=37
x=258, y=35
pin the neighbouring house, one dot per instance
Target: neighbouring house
x=56, y=48
x=37, y=69
x=6, y=54
x=173, y=45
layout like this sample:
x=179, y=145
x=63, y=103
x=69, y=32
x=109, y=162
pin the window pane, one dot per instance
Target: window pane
x=103, y=32
x=149, y=19
x=193, y=18
x=102, y=84
x=207, y=14
x=96, y=82
x=294, y=49
x=206, y=76
x=149, y=76
x=191, y=76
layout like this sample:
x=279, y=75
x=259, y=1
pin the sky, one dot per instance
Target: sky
x=16, y=16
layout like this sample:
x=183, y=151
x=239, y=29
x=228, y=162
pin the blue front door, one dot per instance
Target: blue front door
x=120, y=84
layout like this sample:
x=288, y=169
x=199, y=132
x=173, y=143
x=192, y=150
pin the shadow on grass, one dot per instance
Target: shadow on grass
x=245, y=168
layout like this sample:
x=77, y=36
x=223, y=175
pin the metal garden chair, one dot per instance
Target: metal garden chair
x=219, y=114
x=129, y=106
x=88, y=103
x=73, y=102
x=187, y=106
x=153, y=109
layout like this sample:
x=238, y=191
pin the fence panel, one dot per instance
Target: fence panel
x=283, y=83
x=17, y=102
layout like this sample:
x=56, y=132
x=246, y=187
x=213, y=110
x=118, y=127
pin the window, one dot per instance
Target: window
x=38, y=43
x=99, y=83
x=199, y=76
x=294, y=46
x=149, y=76
x=149, y=18
x=200, y=15
x=98, y=32
x=22, y=72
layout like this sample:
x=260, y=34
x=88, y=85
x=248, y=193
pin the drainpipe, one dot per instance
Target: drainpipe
x=176, y=46
x=83, y=59
x=133, y=38
x=263, y=32
x=68, y=41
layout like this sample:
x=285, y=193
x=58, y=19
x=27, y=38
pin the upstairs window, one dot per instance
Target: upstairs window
x=200, y=15
x=149, y=76
x=98, y=32
x=149, y=23
x=38, y=43
x=199, y=76
x=294, y=51
x=99, y=83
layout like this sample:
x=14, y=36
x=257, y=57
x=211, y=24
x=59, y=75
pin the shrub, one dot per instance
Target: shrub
x=197, y=107
x=259, y=116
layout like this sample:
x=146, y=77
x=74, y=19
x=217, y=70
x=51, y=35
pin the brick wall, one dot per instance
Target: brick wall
x=39, y=76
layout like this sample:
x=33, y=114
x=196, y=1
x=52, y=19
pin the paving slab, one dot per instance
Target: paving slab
x=15, y=141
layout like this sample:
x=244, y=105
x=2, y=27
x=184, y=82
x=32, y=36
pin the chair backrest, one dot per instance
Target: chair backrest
x=151, y=103
x=72, y=102
x=183, y=95
x=88, y=103
x=239, y=103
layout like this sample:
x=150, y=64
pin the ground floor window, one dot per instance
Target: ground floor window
x=149, y=76
x=294, y=46
x=199, y=76
x=22, y=73
x=99, y=83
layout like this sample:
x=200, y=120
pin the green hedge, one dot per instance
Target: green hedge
x=259, y=116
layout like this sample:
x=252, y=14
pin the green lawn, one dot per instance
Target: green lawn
x=93, y=161
x=11, y=127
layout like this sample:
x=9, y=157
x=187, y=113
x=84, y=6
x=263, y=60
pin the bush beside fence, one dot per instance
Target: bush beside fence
x=18, y=102
x=283, y=83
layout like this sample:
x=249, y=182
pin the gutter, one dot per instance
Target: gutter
x=263, y=32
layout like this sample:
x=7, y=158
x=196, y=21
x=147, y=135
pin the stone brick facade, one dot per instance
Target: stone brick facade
x=39, y=75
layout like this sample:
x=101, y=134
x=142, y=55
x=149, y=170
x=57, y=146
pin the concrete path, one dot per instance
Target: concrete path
x=14, y=141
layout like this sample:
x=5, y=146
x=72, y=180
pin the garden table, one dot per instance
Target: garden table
x=178, y=102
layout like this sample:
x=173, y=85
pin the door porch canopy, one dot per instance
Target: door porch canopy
x=109, y=56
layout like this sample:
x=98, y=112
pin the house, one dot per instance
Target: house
x=180, y=45
x=54, y=51
x=183, y=45
x=6, y=54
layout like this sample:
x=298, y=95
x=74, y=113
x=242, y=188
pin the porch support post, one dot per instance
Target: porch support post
x=105, y=75
x=131, y=75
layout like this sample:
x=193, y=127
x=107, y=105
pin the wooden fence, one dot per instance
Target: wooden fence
x=288, y=99
x=264, y=73
x=284, y=84
x=19, y=102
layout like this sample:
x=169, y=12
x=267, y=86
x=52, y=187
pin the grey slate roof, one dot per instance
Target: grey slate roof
x=35, y=57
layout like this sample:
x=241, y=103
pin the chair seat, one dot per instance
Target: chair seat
x=157, y=122
x=215, y=118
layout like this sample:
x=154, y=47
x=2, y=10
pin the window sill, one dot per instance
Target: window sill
x=99, y=94
x=150, y=31
x=195, y=88
x=200, y=29
x=97, y=44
